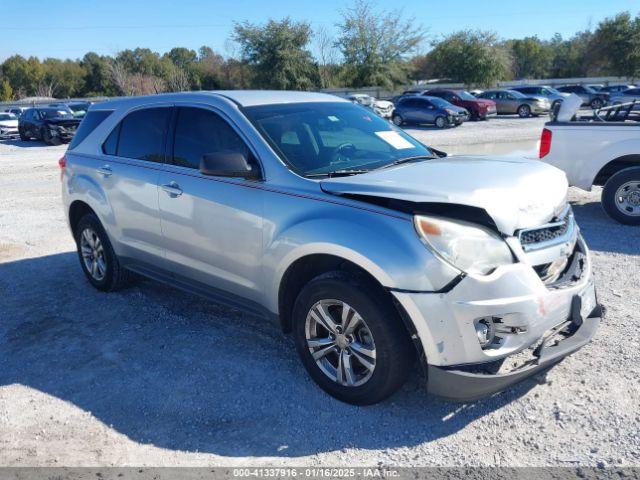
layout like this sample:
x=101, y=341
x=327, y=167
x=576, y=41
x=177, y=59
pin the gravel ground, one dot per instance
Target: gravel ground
x=152, y=376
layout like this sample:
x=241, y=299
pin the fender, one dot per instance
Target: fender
x=397, y=259
x=609, y=153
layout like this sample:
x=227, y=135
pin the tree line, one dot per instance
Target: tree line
x=370, y=48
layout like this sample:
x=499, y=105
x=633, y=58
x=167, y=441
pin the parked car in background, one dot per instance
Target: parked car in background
x=598, y=151
x=478, y=108
x=542, y=91
x=629, y=95
x=476, y=93
x=362, y=242
x=512, y=101
x=384, y=108
x=17, y=111
x=51, y=125
x=589, y=96
x=79, y=109
x=433, y=110
x=8, y=125
x=595, y=86
x=611, y=89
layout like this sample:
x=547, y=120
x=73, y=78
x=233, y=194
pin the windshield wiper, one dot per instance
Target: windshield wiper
x=406, y=160
x=338, y=173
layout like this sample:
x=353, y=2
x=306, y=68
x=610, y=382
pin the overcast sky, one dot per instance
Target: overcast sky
x=70, y=28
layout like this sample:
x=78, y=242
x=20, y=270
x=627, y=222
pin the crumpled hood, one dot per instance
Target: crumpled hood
x=516, y=193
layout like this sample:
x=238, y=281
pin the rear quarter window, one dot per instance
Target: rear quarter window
x=89, y=123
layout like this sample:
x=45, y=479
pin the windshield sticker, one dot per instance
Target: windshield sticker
x=394, y=139
x=333, y=118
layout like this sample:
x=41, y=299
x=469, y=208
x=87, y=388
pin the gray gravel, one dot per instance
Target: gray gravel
x=153, y=376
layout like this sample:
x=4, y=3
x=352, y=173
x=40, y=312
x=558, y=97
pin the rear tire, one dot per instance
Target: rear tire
x=97, y=258
x=621, y=196
x=380, y=333
x=524, y=111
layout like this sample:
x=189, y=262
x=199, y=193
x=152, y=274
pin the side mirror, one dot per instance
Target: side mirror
x=228, y=164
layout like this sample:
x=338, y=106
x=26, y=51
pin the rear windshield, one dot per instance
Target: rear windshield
x=88, y=125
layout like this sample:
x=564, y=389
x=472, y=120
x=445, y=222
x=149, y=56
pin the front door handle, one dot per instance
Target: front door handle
x=105, y=171
x=173, y=189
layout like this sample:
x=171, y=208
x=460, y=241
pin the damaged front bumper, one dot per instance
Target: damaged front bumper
x=535, y=324
x=465, y=384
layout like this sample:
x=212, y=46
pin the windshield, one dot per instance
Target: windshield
x=55, y=112
x=323, y=138
x=439, y=102
x=516, y=93
x=7, y=116
x=79, y=107
x=464, y=95
x=549, y=90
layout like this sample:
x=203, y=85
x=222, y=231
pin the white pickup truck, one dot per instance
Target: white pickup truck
x=600, y=149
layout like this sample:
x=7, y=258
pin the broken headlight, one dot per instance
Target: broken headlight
x=468, y=247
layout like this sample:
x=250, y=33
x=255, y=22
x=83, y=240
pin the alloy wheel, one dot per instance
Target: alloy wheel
x=340, y=342
x=628, y=198
x=93, y=254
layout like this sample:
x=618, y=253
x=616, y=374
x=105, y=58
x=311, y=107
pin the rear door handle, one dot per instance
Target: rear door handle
x=105, y=170
x=173, y=189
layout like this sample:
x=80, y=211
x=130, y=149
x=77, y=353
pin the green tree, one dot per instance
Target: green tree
x=616, y=45
x=572, y=57
x=6, y=92
x=278, y=55
x=97, y=79
x=531, y=58
x=472, y=57
x=375, y=46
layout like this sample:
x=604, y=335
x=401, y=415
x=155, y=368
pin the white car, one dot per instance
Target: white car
x=383, y=108
x=8, y=125
x=597, y=151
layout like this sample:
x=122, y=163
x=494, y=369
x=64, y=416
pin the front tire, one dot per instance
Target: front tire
x=440, y=122
x=23, y=136
x=350, y=339
x=621, y=196
x=397, y=120
x=597, y=103
x=97, y=258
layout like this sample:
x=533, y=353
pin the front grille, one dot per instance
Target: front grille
x=544, y=234
x=540, y=237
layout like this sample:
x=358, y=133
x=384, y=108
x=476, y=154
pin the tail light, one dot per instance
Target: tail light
x=545, y=143
x=62, y=163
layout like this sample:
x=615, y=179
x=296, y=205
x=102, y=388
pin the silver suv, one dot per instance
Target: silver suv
x=371, y=248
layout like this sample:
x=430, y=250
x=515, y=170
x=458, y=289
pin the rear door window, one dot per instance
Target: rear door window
x=142, y=134
x=89, y=123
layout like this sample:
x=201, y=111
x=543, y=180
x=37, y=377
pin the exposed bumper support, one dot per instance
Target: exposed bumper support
x=458, y=385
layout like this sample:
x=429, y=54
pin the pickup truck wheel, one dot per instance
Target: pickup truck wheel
x=397, y=120
x=351, y=340
x=524, y=111
x=621, y=196
x=98, y=260
x=441, y=122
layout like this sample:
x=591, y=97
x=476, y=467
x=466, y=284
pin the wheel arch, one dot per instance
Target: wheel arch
x=614, y=166
x=305, y=268
x=77, y=210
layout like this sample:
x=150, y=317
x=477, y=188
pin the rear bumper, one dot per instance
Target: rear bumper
x=460, y=384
